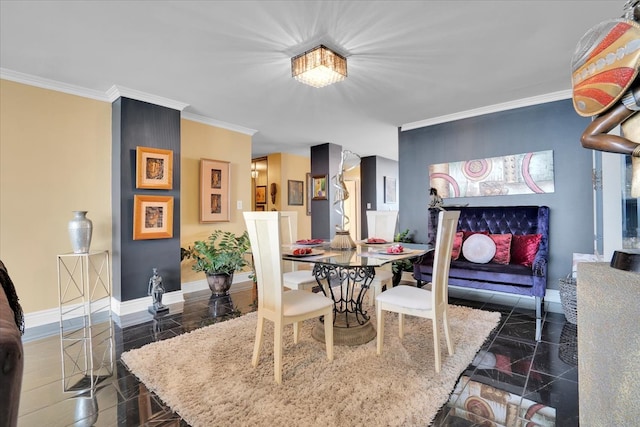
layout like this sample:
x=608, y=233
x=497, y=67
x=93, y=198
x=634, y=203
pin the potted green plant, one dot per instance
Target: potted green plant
x=397, y=267
x=219, y=257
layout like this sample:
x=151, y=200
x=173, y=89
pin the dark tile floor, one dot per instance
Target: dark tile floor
x=514, y=379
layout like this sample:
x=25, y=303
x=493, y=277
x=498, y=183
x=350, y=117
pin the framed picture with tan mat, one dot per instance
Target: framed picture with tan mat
x=215, y=184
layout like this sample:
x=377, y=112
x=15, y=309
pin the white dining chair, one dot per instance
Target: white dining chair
x=274, y=303
x=421, y=302
x=381, y=224
x=296, y=278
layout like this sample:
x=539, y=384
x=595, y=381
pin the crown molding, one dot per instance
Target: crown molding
x=116, y=92
x=519, y=103
x=119, y=91
x=43, y=83
x=218, y=123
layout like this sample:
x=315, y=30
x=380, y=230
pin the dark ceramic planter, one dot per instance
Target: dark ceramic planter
x=219, y=283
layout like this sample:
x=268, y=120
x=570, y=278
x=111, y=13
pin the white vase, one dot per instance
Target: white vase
x=80, y=229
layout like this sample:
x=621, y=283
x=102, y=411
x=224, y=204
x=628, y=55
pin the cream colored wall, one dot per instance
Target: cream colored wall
x=55, y=157
x=291, y=167
x=274, y=174
x=203, y=141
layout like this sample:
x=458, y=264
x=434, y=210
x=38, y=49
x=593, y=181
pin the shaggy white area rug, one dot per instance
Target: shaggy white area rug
x=206, y=375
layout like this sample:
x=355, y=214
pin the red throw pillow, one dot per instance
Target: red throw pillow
x=524, y=249
x=457, y=246
x=503, y=248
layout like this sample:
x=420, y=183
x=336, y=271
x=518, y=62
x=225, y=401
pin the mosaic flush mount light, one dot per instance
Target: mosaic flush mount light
x=319, y=67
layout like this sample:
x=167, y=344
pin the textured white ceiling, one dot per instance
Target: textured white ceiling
x=408, y=61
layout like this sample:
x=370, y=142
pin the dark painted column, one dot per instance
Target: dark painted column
x=137, y=123
x=373, y=171
x=325, y=160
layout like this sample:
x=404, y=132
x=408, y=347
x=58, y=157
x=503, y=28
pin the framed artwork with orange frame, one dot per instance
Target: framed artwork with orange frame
x=154, y=168
x=152, y=217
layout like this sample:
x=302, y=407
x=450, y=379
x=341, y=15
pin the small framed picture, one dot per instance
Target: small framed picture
x=389, y=190
x=261, y=194
x=260, y=208
x=296, y=193
x=154, y=168
x=152, y=217
x=320, y=187
x=215, y=185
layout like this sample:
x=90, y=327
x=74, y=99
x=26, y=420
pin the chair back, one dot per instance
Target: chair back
x=382, y=224
x=264, y=229
x=289, y=233
x=447, y=225
x=289, y=226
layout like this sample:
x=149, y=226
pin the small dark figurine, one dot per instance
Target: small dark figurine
x=435, y=201
x=156, y=290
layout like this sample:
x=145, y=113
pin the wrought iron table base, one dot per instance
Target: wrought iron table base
x=351, y=324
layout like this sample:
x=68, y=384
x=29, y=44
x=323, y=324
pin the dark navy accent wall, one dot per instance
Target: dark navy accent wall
x=325, y=160
x=373, y=170
x=368, y=190
x=551, y=126
x=137, y=123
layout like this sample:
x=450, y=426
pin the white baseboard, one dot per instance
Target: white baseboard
x=551, y=299
x=552, y=295
x=241, y=282
x=123, y=308
x=42, y=317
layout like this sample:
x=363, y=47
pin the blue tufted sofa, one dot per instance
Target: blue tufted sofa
x=512, y=278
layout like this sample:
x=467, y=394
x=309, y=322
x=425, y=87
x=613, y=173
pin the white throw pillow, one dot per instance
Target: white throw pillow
x=479, y=248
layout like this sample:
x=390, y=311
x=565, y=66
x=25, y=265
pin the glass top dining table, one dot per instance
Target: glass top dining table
x=345, y=276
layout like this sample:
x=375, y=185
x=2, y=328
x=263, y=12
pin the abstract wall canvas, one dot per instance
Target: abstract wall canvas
x=526, y=173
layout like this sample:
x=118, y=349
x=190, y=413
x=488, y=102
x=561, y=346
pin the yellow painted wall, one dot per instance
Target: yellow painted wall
x=274, y=175
x=203, y=141
x=282, y=168
x=55, y=157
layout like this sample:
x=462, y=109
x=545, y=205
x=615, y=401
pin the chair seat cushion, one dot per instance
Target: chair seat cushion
x=298, y=277
x=407, y=296
x=296, y=302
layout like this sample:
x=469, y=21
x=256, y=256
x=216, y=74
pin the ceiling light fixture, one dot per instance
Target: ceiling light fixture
x=319, y=67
